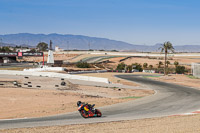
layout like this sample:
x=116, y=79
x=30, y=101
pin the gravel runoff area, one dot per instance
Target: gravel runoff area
x=43, y=96
x=175, y=124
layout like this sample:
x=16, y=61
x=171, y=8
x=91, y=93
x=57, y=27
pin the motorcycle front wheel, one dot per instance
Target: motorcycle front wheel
x=83, y=114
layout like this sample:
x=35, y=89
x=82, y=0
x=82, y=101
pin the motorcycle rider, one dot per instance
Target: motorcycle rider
x=87, y=107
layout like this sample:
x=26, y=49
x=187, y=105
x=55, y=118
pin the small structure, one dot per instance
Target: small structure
x=6, y=60
x=22, y=49
x=57, y=49
x=196, y=69
x=50, y=59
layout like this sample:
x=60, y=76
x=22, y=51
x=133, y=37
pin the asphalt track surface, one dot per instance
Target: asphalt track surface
x=97, y=59
x=170, y=99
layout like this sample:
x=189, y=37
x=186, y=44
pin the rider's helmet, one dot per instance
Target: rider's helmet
x=78, y=103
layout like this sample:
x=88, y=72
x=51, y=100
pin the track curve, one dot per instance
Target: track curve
x=170, y=99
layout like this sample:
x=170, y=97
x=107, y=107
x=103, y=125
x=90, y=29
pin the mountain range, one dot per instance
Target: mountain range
x=81, y=42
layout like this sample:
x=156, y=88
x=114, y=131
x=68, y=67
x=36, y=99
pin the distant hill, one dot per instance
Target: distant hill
x=155, y=48
x=84, y=43
x=66, y=41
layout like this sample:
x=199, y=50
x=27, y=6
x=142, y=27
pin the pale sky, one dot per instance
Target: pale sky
x=134, y=21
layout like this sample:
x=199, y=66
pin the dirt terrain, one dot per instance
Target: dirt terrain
x=55, y=100
x=43, y=96
x=176, y=124
x=184, y=80
x=186, y=61
x=65, y=56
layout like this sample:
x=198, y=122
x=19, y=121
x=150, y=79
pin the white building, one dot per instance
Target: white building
x=196, y=69
x=57, y=49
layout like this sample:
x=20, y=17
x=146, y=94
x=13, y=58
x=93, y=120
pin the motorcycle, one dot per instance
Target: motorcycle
x=92, y=112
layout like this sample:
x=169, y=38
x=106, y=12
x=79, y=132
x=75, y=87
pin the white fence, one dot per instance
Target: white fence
x=55, y=75
x=149, y=71
x=196, y=69
x=45, y=68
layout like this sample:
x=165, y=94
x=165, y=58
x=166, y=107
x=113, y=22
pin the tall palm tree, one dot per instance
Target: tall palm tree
x=166, y=47
x=167, y=62
x=176, y=63
x=150, y=66
x=145, y=65
x=160, y=64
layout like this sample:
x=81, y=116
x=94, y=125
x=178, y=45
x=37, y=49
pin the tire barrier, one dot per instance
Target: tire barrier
x=15, y=83
x=26, y=77
x=29, y=85
x=63, y=83
x=120, y=71
x=29, y=82
x=56, y=85
x=25, y=84
x=38, y=86
x=55, y=75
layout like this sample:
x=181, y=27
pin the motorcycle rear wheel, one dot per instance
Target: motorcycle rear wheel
x=98, y=112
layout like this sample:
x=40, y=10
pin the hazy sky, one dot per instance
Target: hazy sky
x=134, y=21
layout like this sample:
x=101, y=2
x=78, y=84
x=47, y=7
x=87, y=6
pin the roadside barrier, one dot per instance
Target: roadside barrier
x=55, y=75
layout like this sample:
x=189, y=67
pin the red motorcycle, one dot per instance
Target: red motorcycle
x=88, y=110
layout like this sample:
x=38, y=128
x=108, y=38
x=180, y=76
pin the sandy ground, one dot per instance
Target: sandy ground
x=179, y=79
x=64, y=56
x=171, y=124
x=186, y=61
x=46, y=100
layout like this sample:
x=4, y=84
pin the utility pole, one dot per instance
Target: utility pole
x=50, y=47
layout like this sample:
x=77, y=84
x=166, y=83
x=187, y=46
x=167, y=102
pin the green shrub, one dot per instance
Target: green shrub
x=137, y=66
x=83, y=65
x=145, y=65
x=150, y=66
x=180, y=69
x=176, y=63
x=121, y=66
x=129, y=68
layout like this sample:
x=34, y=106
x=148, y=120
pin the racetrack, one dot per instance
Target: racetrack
x=170, y=99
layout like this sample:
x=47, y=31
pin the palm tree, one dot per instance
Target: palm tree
x=150, y=66
x=176, y=63
x=167, y=63
x=145, y=65
x=166, y=47
x=160, y=64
